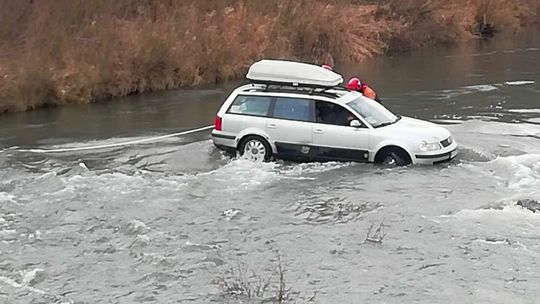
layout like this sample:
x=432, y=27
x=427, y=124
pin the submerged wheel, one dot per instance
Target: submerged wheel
x=393, y=157
x=255, y=148
x=392, y=160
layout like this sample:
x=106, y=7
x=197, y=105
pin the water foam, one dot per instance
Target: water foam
x=136, y=227
x=482, y=88
x=525, y=111
x=509, y=214
x=522, y=172
x=506, y=224
x=497, y=138
x=299, y=170
x=6, y=197
x=243, y=174
x=240, y=173
x=518, y=176
x=28, y=278
x=519, y=82
x=535, y=120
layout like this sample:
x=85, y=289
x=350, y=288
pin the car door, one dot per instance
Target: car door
x=290, y=126
x=334, y=138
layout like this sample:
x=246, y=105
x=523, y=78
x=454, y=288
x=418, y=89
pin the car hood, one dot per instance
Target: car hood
x=414, y=129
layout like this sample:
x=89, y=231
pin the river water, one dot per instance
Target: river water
x=175, y=221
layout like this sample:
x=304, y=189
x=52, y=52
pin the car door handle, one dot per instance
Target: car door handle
x=318, y=131
x=272, y=126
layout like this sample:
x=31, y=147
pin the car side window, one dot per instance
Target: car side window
x=292, y=109
x=333, y=114
x=251, y=105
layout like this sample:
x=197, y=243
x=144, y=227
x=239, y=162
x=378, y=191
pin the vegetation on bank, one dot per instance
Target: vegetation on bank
x=54, y=52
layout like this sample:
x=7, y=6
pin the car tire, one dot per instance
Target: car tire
x=393, y=158
x=255, y=148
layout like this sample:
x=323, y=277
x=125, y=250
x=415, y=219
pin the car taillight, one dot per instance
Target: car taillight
x=217, y=123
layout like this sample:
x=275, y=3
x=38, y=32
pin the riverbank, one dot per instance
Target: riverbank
x=56, y=52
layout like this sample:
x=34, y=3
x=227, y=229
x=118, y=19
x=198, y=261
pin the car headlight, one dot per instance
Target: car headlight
x=425, y=146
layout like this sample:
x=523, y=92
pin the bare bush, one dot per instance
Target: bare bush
x=375, y=234
x=90, y=50
x=94, y=50
x=267, y=286
x=240, y=281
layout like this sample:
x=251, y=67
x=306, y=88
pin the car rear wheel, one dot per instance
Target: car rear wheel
x=255, y=148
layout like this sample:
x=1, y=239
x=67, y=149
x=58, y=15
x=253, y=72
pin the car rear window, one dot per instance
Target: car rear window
x=251, y=105
x=292, y=109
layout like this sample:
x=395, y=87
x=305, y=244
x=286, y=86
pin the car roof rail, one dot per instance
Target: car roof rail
x=299, y=88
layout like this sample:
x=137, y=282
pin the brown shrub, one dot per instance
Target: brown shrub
x=75, y=51
x=33, y=88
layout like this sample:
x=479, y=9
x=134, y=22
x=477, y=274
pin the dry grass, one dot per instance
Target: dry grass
x=54, y=52
x=269, y=286
x=447, y=22
x=376, y=235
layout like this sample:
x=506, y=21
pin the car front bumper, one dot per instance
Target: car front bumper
x=440, y=156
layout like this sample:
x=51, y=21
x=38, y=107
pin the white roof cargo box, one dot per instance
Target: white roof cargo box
x=295, y=73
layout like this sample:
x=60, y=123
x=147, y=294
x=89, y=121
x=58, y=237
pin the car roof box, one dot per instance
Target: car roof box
x=292, y=73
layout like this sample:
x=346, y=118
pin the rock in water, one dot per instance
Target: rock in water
x=532, y=205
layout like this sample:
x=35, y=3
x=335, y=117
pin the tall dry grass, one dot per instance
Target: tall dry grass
x=66, y=51
x=446, y=22
x=54, y=52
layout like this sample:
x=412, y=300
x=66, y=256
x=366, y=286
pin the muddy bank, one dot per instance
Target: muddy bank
x=55, y=52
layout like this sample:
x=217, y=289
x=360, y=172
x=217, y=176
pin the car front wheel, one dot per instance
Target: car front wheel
x=393, y=157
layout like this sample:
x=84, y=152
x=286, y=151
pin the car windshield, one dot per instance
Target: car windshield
x=373, y=112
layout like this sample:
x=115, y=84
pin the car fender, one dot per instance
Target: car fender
x=392, y=142
x=258, y=132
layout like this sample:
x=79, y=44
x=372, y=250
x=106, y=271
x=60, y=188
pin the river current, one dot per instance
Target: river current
x=176, y=221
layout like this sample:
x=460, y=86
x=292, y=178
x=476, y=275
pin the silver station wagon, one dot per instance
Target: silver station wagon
x=297, y=111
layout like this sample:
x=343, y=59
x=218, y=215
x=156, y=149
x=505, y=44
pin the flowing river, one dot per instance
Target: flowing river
x=175, y=221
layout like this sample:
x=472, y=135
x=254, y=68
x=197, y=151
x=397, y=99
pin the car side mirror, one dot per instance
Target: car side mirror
x=355, y=123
